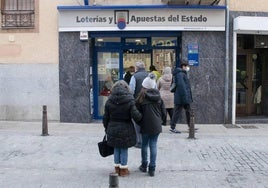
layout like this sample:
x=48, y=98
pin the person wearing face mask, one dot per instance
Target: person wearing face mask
x=128, y=75
x=182, y=95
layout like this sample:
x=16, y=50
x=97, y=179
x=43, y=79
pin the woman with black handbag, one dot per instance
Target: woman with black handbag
x=119, y=111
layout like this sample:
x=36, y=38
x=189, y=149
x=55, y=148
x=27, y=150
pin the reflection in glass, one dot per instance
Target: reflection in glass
x=241, y=73
x=108, y=73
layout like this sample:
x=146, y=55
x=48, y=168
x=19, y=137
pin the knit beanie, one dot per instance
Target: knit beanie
x=149, y=82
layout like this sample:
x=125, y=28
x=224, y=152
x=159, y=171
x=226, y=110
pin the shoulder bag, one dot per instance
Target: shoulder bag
x=173, y=86
x=104, y=149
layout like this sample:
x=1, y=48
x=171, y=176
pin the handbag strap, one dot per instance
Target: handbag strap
x=105, y=137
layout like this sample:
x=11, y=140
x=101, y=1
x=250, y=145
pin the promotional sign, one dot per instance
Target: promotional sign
x=193, y=57
x=141, y=19
x=83, y=35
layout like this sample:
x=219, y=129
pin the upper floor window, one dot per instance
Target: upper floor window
x=17, y=13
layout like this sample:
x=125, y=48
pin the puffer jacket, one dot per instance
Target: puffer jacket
x=163, y=84
x=117, y=119
x=183, y=93
x=153, y=111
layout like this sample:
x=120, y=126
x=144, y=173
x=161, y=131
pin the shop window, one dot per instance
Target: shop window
x=107, y=41
x=164, y=41
x=18, y=13
x=136, y=41
x=163, y=58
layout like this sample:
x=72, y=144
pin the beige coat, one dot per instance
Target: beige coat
x=163, y=84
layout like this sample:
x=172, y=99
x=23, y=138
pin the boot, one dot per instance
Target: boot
x=151, y=171
x=124, y=171
x=143, y=167
x=117, y=169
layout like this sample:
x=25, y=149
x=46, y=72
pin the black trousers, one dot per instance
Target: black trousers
x=169, y=111
x=177, y=114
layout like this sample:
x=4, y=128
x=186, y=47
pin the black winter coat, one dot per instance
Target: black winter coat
x=153, y=111
x=119, y=111
x=183, y=93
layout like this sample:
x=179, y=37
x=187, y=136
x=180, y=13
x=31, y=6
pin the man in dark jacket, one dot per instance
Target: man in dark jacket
x=135, y=85
x=182, y=95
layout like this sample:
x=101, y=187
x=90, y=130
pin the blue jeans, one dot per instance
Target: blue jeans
x=120, y=156
x=151, y=142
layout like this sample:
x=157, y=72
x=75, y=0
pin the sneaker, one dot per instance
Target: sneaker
x=174, y=131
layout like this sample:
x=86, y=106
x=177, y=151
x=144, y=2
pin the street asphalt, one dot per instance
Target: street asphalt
x=220, y=156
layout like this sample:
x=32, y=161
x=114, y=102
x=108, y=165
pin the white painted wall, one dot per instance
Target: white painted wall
x=25, y=88
x=29, y=68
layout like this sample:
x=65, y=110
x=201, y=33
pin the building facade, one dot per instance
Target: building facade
x=249, y=57
x=74, y=52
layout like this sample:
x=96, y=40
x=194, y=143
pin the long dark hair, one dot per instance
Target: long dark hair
x=141, y=95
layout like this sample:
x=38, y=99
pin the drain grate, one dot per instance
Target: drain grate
x=249, y=126
x=230, y=126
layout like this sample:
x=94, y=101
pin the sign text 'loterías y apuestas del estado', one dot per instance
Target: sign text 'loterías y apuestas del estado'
x=171, y=19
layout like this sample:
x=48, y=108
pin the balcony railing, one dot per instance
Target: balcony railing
x=17, y=19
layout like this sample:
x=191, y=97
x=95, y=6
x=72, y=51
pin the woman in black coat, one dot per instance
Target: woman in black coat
x=119, y=111
x=153, y=110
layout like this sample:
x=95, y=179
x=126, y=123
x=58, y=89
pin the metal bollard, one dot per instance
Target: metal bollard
x=113, y=180
x=44, y=122
x=191, y=128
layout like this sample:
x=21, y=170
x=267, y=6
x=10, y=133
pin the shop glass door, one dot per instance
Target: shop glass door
x=108, y=74
x=114, y=53
x=248, y=84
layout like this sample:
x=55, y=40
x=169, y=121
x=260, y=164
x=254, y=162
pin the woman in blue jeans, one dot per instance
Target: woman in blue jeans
x=119, y=111
x=153, y=111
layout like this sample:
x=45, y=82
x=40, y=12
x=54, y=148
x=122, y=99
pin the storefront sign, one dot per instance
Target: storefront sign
x=193, y=57
x=142, y=19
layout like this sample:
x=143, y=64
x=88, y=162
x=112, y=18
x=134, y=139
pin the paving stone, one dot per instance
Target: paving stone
x=68, y=158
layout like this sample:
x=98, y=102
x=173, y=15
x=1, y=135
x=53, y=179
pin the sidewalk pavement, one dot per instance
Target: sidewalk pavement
x=69, y=158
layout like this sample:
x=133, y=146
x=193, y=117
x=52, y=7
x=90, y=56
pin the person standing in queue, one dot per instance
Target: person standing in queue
x=163, y=85
x=129, y=73
x=135, y=85
x=152, y=108
x=120, y=109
